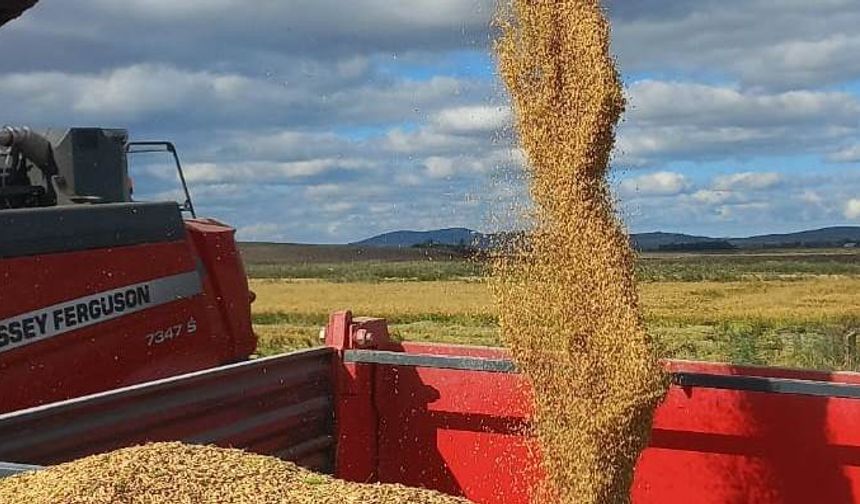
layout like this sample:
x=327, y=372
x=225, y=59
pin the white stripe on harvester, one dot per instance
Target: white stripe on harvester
x=44, y=323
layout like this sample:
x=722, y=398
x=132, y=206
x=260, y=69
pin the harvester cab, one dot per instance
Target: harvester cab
x=98, y=290
x=72, y=166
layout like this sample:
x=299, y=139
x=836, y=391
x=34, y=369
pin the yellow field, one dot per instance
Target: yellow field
x=819, y=299
x=799, y=301
x=385, y=299
x=810, y=322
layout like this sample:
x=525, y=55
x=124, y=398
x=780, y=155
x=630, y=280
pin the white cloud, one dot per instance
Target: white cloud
x=805, y=62
x=152, y=89
x=655, y=184
x=425, y=140
x=849, y=154
x=283, y=145
x=185, y=98
x=258, y=232
x=754, y=210
x=233, y=32
x=748, y=181
x=473, y=119
x=659, y=102
x=338, y=207
x=439, y=167
x=354, y=67
x=257, y=172
x=417, y=14
x=365, y=193
x=686, y=120
x=852, y=209
x=170, y=9
x=812, y=198
x=711, y=197
x=802, y=44
x=324, y=191
x=131, y=93
x=381, y=208
x=480, y=163
x=409, y=180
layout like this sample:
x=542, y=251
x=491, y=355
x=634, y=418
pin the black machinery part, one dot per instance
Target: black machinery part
x=11, y=9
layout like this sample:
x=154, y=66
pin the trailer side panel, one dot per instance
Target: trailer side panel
x=279, y=406
x=452, y=419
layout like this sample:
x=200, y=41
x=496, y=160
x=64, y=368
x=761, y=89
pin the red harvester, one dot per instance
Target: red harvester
x=98, y=291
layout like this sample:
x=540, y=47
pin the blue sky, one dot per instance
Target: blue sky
x=330, y=121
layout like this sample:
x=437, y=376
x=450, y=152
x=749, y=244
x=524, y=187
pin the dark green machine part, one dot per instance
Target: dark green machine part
x=10, y=9
x=63, y=167
x=71, y=167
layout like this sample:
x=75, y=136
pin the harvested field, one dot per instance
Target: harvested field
x=810, y=300
x=794, y=323
x=651, y=267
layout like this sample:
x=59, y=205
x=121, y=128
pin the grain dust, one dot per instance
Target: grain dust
x=173, y=473
x=567, y=299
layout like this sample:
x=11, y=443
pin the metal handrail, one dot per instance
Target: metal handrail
x=188, y=206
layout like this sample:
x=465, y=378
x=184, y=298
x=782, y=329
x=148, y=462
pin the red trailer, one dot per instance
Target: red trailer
x=451, y=418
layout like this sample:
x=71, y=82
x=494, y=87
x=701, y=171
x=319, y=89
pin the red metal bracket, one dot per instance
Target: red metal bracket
x=356, y=418
x=344, y=332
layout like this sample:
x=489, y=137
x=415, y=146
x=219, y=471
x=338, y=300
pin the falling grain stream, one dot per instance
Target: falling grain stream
x=568, y=305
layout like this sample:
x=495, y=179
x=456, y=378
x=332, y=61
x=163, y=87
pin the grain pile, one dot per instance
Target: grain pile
x=567, y=300
x=173, y=473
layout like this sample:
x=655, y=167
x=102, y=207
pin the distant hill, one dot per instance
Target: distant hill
x=294, y=253
x=404, y=239
x=656, y=241
x=827, y=237
x=454, y=237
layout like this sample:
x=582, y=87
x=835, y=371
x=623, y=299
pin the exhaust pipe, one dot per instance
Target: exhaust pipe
x=6, y=137
x=32, y=145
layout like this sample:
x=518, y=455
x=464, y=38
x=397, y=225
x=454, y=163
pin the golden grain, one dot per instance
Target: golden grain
x=568, y=306
x=173, y=473
x=780, y=302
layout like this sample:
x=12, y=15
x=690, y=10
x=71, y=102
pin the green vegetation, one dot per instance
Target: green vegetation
x=793, y=308
x=651, y=268
x=369, y=271
x=825, y=346
x=745, y=266
x=405, y=319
